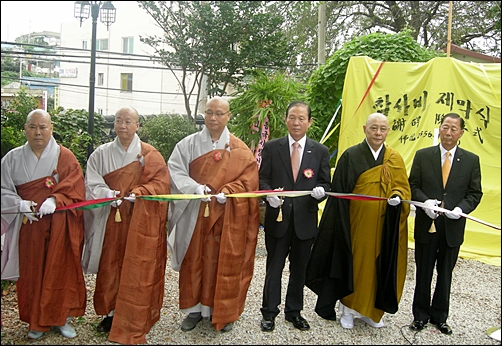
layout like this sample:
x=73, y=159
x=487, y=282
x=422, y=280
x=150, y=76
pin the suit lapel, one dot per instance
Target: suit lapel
x=286, y=156
x=308, y=154
x=456, y=164
x=436, y=164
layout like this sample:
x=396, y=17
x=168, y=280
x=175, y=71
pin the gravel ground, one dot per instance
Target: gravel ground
x=474, y=308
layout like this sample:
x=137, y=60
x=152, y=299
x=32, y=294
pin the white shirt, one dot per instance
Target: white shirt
x=375, y=153
x=443, y=154
x=300, y=148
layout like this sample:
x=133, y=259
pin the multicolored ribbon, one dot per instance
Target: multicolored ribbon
x=101, y=202
x=90, y=204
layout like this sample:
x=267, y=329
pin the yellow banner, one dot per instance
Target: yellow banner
x=414, y=97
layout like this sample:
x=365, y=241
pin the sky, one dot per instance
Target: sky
x=24, y=17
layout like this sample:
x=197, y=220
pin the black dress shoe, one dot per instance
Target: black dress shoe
x=105, y=325
x=443, y=328
x=417, y=325
x=267, y=325
x=298, y=322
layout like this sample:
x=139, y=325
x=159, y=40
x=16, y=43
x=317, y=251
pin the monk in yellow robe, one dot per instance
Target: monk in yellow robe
x=360, y=255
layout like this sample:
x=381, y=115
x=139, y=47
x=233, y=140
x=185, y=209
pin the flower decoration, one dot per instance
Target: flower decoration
x=217, y=156
x=49, y=183
x=264, y=103
x=308, y=173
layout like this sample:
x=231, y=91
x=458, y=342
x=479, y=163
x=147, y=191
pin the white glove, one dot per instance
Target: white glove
x=221, y=198
x=131, y=198
x=454, y=214
x=393, y=201
x=274, y=201
x=431, y=213
x=114, y=194
x=203, y=190
x=48, y=207
x=25, y=208
x=318, y=192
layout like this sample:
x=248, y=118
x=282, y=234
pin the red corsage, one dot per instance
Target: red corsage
x=308, y=173
x=49, y=183
x=217, y=156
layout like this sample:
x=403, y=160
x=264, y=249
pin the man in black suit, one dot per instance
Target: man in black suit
x=294, y=232
x=438, y=237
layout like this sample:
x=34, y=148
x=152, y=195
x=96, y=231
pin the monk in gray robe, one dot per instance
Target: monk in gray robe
x=42, y=247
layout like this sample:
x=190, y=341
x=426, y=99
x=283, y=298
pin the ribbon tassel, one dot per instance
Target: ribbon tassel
x=279, y=217
x=206, y=210
x=117, y=216
x=433, y=228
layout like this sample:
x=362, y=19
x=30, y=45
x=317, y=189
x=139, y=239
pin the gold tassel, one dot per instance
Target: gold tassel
x=25, y=219
x=433, y=228
x=279, y=217
x=206, y=211
x=117, y=216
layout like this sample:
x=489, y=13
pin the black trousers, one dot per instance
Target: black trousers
x=437, y=254
x=278, y=250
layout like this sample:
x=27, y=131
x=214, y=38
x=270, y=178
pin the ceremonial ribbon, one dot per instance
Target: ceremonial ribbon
x=98, y=203
x=90, y=204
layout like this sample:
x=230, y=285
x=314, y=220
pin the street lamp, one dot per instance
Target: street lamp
x=81, y=12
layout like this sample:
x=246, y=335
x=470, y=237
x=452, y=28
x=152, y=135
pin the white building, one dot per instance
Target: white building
x=124, y=74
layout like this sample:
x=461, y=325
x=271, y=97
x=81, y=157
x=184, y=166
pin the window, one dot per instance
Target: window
x=100, y=111
x=102, y=44
x=126, y=81
x=84, y=44
x=101, y=78
x=127, y=45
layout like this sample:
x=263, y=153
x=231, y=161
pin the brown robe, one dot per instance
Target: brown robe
x=218, y=266
x=51, y=284
x=132, y=266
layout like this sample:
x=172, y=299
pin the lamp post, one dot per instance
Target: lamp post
x=81, y=12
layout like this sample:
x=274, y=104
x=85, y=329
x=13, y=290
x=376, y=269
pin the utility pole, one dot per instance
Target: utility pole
x=321, y=33
x=448, y=42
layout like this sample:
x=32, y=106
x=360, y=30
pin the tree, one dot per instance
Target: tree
x=475, y=24
x=69, y=126
x=164, y=131
x=70, y=130
x=13, y=119
x=325, y=86
x=218, y=40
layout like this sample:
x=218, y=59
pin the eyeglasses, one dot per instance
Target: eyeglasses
x=127, y=122
x=219, y=115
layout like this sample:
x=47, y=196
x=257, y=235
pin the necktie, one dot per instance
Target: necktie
x=446, y=168
x=295, y=160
